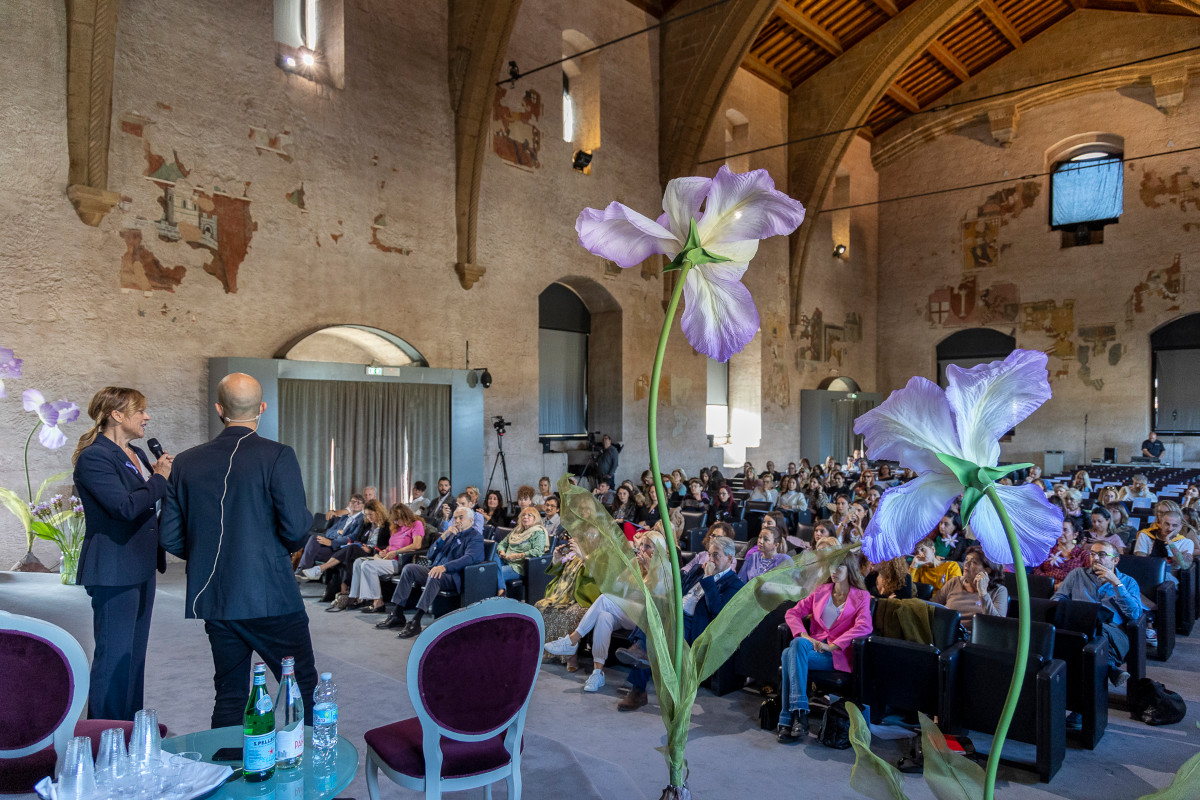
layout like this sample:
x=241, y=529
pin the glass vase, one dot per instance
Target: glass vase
x=68, y=566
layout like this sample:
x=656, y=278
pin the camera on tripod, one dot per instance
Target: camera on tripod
x=593, y=440
x=500, y=424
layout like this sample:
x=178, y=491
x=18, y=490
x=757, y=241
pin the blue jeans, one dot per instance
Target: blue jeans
x=797, y=660
x=505, y=573
x=639, y=678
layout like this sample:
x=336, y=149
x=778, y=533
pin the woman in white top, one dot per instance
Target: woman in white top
x=766, y=491
x=790, y=498
x=1137, y=488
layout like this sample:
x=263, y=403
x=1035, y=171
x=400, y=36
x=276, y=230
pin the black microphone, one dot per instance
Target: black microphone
x=155, y=448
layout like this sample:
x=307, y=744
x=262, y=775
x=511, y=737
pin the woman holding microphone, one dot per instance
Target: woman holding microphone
x=119, y=489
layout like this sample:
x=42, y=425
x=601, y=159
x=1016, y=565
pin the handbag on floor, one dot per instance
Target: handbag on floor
x=1155, y=704
x=768, y=712
x=835, y=726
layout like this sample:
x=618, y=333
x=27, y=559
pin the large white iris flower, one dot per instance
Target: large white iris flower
x=921, y=422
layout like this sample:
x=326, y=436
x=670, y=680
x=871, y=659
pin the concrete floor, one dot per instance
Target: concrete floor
x=579, y=745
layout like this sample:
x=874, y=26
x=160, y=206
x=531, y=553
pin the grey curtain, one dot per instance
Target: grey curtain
x=845, y=411
x=562, y=381
x=385, y=435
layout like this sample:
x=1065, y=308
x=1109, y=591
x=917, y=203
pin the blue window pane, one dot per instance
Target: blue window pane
x=1087, y=191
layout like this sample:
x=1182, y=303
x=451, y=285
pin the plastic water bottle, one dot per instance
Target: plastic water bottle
x=325, y=733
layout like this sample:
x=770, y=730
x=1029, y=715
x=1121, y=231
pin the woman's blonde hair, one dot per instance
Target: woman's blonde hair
x=104, y=403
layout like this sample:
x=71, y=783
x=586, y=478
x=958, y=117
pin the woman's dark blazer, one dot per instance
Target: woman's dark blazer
x=120, y=544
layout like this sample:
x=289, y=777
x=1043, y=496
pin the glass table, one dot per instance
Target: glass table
x=309, y=781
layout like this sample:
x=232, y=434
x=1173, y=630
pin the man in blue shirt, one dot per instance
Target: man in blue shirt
x=1102, y=583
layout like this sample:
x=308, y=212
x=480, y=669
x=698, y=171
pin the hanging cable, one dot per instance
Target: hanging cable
x=516, y=75
x=946, y=106
x=1032, y=176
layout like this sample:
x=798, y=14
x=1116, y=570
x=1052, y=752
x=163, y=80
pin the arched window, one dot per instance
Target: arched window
x=563, y=327
x=1086, y=186
x=971, y=347
x=1175, y=377
x=717, y=409
x=581, y=98
x=353, y=344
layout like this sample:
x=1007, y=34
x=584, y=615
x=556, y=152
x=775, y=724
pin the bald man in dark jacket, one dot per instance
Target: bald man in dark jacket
x=235, y=509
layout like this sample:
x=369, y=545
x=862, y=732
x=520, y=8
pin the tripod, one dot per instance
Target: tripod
x=503, y=464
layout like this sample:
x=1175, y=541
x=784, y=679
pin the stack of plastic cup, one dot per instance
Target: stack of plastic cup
x=113, y=770
x=77, y=779
x=145, y=747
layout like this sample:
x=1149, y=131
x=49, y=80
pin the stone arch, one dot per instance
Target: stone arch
x=605, y=378
x=972, y=346
x=839, y=383
x=352, y=344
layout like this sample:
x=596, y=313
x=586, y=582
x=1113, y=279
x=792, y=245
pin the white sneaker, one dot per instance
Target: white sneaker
x=595, y=681
x=312, y=574
x=562, y=647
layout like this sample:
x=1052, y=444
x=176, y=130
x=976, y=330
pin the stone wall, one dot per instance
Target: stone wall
x=1091, y=308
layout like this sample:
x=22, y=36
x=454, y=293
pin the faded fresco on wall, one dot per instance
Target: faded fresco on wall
x=1180, y=189
x=981, y=243
x=1098, y=345
x=516, y=137
x=1057, y=322
x=969, y=305
x=1159, y=284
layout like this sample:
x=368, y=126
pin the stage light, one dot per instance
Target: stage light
x=289, y=62
x=581, y=160
x=307, y=59
x=485, y=379
x=839, y=251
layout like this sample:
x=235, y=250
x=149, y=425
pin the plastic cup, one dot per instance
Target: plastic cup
x=77, y=779
x=145, y=747
x=112, y=762
x=191, y=755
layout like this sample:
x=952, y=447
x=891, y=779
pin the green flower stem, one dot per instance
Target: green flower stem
x=1018, y=677
x=28, y=485
x=663, y=513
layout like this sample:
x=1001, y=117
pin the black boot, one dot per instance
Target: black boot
x=411, y=630
x=392, y=620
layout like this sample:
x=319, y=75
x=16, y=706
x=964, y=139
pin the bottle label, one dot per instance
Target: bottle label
x=289, y=742
x=325, y=714
x=263, y=704
x=258, y=752
x=294, y=692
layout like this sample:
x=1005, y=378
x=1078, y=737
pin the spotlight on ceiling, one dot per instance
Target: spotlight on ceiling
x=581, y=160
x=839, y=251
x=479, y=376
x=306, y=58
x=289, y=62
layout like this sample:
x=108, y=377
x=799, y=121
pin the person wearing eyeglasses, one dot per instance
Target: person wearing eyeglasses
x=1103, y=583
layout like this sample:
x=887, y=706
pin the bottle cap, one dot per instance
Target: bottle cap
x=288, y=661
x=260, y=667
x=326, y=676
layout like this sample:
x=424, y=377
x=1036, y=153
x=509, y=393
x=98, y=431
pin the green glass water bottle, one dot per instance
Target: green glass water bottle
x=258, y=729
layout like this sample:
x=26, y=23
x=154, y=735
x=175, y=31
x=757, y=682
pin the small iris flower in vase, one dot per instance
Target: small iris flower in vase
x=61, y=521
x=710, y=229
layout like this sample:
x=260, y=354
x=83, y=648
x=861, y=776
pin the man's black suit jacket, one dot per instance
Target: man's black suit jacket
x=265, y=519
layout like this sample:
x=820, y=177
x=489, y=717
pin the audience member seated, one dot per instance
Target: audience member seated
x=840, y=509
x=419, y=503
x=340, y=531
x=406, y=534
x=747, y=472
x=603, y=492
x=696, y=499
x=775, y=476
x=765, y=492
x=679, y=485
x=1082, y=482
x=705, y=594
x=524, y=497
x=928, y=567
x=1120, y=524
x=840, y=612
x=874, y=495
x=885, y=478
x=374, y=530
x=1073, y=511
x=1034, y=474
x=817, y=499
x=1137, y=488
x=949, y=540
x=1191, y=496
x=464, y=501
x=527, y=540
x=1165, y=539
x=1102, y=530
x=544, y=490
x=1102, y=583
x=890, y=579
x=791, y=498
x=458, y=547
x=434, y=513
x=494, y=514
x=624, y=507
x=569, y=595
x=701, y=557
x=858, y=517
x=648, y=513
x=606, y=615
x=767, y=556
x=553, y=522
x=1066, y=556
x=725, y=508
x=979, y=590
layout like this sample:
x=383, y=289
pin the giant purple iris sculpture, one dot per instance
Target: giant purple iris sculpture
x=710, y=229
x=951, y=439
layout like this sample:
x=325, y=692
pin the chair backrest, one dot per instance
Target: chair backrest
x=1148, y=571
x=50, y=701
x=1041, y=586
x=944, y=626
x=924, y=591
x=757, y=505
x=693, y=519
x=471, y=673
x=1002, y=633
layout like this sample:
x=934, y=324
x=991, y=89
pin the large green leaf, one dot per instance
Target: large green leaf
x=44, y=530
x=20, y=510
x=55, y=478
x=872, y=776
x=950, y=775
x=1184, y=786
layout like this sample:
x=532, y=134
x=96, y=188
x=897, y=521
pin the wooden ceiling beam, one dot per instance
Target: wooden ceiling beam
x=761, y=69
x=888, y=7
x=1002, y=23
x=1077, y=4
x=948, y=60
x=903, y=98
x=808, y=28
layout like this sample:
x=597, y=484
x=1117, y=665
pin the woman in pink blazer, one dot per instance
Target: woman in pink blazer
x=840, y=612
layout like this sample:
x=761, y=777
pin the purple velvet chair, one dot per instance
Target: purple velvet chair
x=37, y=721
x=469, y=729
